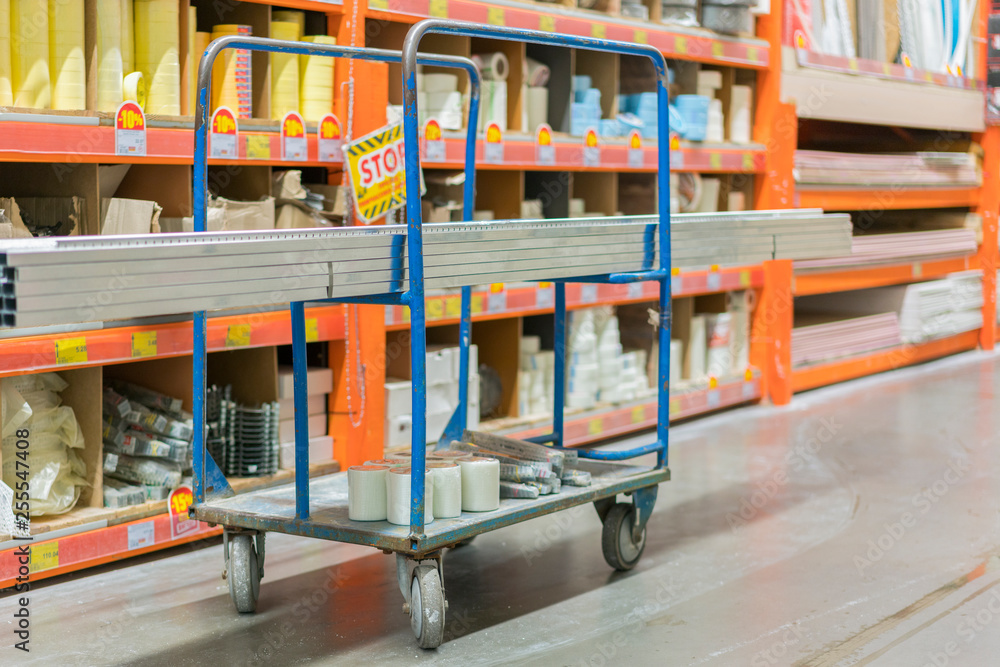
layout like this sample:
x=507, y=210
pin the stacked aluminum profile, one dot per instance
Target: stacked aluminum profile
x=92, y=279
x=243, y=440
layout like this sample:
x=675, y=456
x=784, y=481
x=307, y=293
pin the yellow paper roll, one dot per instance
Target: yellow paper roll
x=232, y=73
x=290, y=16
x=67, y=69
x=194, y=57
x=134, y=88
x=127, y=38
x=110, y=65
x=284, y=72
x=316, y=81
x=6, y=90
x=29, y=53
x=156, y=28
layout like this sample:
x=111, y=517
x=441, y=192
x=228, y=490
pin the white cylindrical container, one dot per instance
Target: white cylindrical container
x=493, y=66
x=538, y=107
x=366, y=493
x=447, y=489
x=480, y=484
x=391, y=461
x=399, y=496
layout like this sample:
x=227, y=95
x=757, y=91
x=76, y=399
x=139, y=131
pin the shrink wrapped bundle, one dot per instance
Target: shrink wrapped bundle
x=156, y=33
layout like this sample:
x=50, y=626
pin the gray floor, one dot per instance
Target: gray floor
x=858, y=525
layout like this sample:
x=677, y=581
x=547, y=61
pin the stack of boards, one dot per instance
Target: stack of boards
x=941, y=169
x=86, y=279
x=876, y=249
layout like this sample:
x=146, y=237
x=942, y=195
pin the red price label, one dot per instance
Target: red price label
x=130, y=117
x=293, y=126
x=178, y=503
x=432, y=130
x=329, y=127
x=130, y=130
x=493, y=134
x=294, y=145
x=223, y=122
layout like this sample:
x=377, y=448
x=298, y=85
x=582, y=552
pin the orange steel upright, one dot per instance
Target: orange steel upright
x=988, y=252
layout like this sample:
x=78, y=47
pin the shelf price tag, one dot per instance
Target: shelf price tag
x=545, y=295
x=141, y=535
x=71, y=351
x=588, y=293
x=712, y=398
x=294, y=145
x=717, y=49
x=676, y=156
x=330, y=139
x=130, y=130
x=595, y=426
x=44, y=556
x=545, y=152
x=224, y=134
x=143, y=344
x=178, y=503
x=238, y=335
x=635, y=290
x=641, y=37
x=675, y=407
x=434, y=145
x=714, y=279
x=715, y=160
x=745, y=278
x=258, y=147
x=453, y=307
x=681, y=45
x=406, y=313
x=496, y=300
x=635, y=154
x=752, y=54
x=378, y=4
x=638, y=414
x=591, y=150
x=477, y=304
x=546, y=23
x=438, y=9
x=312, y=330
x=493, y=150
x=435, y=309
x=748, y=390
x=598, y=31
x=748, y=162
x=495, y=16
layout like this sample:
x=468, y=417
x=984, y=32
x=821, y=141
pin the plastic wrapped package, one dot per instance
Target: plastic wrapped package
x=57, y=470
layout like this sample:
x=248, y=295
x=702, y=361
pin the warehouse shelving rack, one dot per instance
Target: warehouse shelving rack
x=93, y=536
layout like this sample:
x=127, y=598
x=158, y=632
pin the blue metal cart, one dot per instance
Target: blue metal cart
x=319, y=508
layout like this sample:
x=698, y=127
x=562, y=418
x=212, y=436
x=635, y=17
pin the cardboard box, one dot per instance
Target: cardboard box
x=129, y=216
x=286, y=428
x=441, y=365
x=320, y=451
x=398, y=397
x=245, y=214
x=317, y=406
x=319, y=381
x=398, y=431
x=53, y=216
x=335, y=197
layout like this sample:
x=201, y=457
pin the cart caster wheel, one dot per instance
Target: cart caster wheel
x=620, y=551
x=244, y=573
x=427, y=607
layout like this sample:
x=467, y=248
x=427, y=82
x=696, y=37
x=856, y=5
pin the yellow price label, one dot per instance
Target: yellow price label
x=598, y=30
x=143, y=344
x=681, y=45
x=44, y=557
x=744, y=279
x=595, y=426
x=406, y=313
x=717, y=49
x=638, y=414
x=928, y=76
x=438, y=9
x=71, y=351
x=641, y=37
x=453, y=306
x=546, y=23
x=312, y=330
x=435, y=309
x=378, y=4
x=748, y=162
x=752, y=54
x=258, y=147
x=238, y=335
x=715, y=160
x=852, y=64
x=496, y=16
x=886, y=69
x=477, y=304
x=675, y=407
x=496, y=288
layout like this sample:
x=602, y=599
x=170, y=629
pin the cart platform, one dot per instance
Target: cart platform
x=273, y=509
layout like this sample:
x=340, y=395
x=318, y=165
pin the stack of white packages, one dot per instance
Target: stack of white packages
x=945, y=169
x=941, y=308
x=438, y=94
x=581, y=360
x=535, y=382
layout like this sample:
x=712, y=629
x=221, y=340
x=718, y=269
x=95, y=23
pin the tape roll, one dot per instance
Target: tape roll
x=538, y=107
x=439, y=83
x=447, y=477
x=392, y=462
x=367, y=493
x=494, y=105
x=67, y=69
x=316, y=81
x=284, y=71
x=127, y=39
x=493, y=66
x=536, y=73
x=231, y=74
x=448, y=455
x=193, y=59
x=29, y=54
x=156, y=33
x=398, y=511
x=6, y=89
x=290, y=16
x=134, y=88
x=480, y=484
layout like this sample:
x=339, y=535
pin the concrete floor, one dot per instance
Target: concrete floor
x=857, y=526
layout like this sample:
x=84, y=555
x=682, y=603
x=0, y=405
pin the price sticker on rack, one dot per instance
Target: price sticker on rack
x=143, y=344
x=545, y=295
x=676, y=154
x=312, y=330
x=258, y=147
x=330, y=139
x=496, y=16
x=674, y=407
x=223, y=136
x=378, y=4
x=717, y=49
x=44, y=556
x=71, y=351
x=641, y=37
x=715, y=160
x=636, y=158
x=435, y=148
x=546, y=23
x=238, y=335
x=752, y=55
x=435, y=309
x=638, y=414
x=748, y=162
x=714, y=280
x=635, y=290
x=545, y=150
x=680, y=45
x=438, y=9
x=591, y=149
x=477, y=304
x=598, y=31
x=130, y=130
x=493, y=149
x=452, y=307
x=294, y=144
x=178, y=503
x=595, y=426
x=376, y=165
x=588, y=293
x=496, y=299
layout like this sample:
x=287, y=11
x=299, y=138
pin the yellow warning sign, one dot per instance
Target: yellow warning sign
x=377, y=168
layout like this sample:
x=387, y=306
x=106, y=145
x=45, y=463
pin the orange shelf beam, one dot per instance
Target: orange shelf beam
x=135, y=343
x=863, y=199
x=821, y=375
x=822, y=282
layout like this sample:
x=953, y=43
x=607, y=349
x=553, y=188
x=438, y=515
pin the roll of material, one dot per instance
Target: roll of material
x=392, y=462
x=494, y=104
x=536, y=74
x=29, y=53
x=290, y=16
x=194, y=58
x=284, y=71
x=6, y=90
x=444, y=102
x=156, y=27
x=367, y=494
x=67, y=68
x=439, y=83
x=447, y=455
x=447, y=477
x=110, y=64
x=127, y=40
x=316, y=81
x=538, y=107
x=480, y=484
x=232, y=73
x=399, y=496
x=493, y=66
x=134, y=88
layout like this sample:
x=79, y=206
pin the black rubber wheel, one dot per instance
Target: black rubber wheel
x=427, y=607
x=243, y=574
x=620, y=551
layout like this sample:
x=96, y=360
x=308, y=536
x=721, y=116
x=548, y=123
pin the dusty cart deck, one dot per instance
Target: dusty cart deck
x=273, y=509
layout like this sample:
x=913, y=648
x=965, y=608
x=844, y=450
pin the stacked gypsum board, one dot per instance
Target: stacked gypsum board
x=81, y=279
x=941, y=169
x=898, y=247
